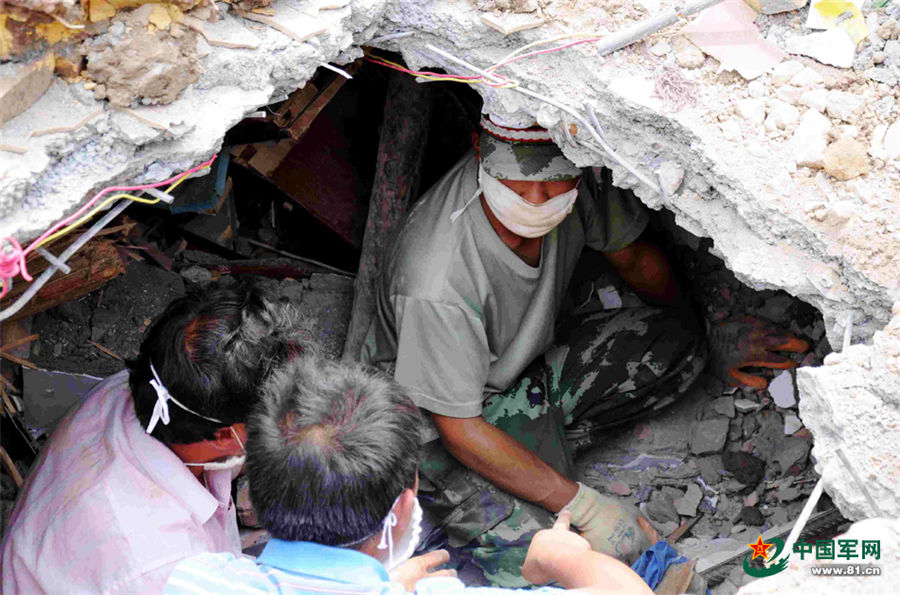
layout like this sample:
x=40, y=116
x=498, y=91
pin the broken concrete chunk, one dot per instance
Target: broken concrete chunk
x=509, y=23
x=816, y=99
x=745, y=467
x=661, y=48
x=752, y=110
x=890, y=143
x=708, y=435
x=724, y=406
x=807, y=78
x=845, y=159
x=785, y=71
x=844, y=105
x=782, y=115
x=619, y=488
x=756, y=89
x=22, y=84
x=709, y=468
x=776, y=6
x=687, y=55
x=810, y=139
x=833, y=47
x=687, y=504
x=661, y=508
x=147, y=67
x=792, y=423
x=794, y=451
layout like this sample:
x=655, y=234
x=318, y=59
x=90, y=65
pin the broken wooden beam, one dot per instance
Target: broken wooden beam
x=97, y=263
x=404, y=132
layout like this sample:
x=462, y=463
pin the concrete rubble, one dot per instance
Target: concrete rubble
x=791, y=174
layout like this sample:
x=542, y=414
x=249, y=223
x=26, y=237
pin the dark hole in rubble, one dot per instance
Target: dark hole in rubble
x=729, y=462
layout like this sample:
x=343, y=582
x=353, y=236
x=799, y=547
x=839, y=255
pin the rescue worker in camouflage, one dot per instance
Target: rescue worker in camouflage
x=494, y=318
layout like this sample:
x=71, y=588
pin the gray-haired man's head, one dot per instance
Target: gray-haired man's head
x=331, y=446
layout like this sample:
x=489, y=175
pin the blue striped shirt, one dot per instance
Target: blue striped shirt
x=304, y=568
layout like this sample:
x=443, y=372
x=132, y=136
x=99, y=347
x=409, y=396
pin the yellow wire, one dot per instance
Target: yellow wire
x=102, y=206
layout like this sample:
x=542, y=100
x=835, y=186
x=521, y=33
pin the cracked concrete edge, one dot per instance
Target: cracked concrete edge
x=852, y=403
x=751, y=230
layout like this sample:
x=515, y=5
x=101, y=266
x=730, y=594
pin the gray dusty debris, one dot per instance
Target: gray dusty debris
x=709, y=435
x=724, y=406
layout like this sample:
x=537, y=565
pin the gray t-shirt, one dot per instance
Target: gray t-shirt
x=458, y=313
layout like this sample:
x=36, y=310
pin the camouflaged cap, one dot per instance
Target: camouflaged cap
x=523, y=154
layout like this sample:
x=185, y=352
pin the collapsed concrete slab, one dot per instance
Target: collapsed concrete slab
x=792, y=174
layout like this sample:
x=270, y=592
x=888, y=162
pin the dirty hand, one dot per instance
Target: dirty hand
x=749, y=341
x=551, y=546
x=609, y=526
x=415, y=569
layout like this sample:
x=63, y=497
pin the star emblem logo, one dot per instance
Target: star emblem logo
x=760, y=549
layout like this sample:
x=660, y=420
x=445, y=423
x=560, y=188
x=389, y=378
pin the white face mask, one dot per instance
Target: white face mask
x=401, y=552
x=520, y=216
x=232, y=462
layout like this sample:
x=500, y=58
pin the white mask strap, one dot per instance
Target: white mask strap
x=161, y=408
x=387, y=535
x=455, y=214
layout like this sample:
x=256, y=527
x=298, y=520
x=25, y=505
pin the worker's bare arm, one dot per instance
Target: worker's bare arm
x=647, y=270
x=506, y=462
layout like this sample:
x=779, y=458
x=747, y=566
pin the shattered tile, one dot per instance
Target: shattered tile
x=745, y=405
x=792, y=423
x=782, y=390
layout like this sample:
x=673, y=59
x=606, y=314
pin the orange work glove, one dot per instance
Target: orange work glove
x=736, y=344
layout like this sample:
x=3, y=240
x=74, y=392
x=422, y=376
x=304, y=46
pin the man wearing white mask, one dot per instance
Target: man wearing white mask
x=138, y=476
x=476, y=317
x=332, y=457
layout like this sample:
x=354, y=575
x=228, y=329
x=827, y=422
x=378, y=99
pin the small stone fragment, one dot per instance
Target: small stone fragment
x=687, y=55
x=890, y=145
x=709, y=468
x=756, y=89
x=782, y=390
x=687, y=504
x=792, y=423
x=661, y=48
x=731, y=130
x=785, y=71
x=661, y=509
x=833, y=47
x=709, y=435
x=745, y=467
x=787, y=493
x=817, y=99
x=807, y=78
x=751, y=499
x=671, y=175
x=745, y=405
x=751, y=516
x=781, y=115
x=845, y=159
x=779, y=517
x=724, y=406
x=844, y=105
x=753, y=110
x=789, y=94
x=793, y=451
x=810, y=139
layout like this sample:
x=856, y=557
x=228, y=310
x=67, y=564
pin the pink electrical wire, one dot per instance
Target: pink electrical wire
x=13, y=262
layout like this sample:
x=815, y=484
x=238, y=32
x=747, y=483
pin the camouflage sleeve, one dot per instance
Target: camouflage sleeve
x=442, y=356
x=613, y=217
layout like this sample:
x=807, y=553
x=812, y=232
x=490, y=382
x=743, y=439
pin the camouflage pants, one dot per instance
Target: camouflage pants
x=606, y=367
